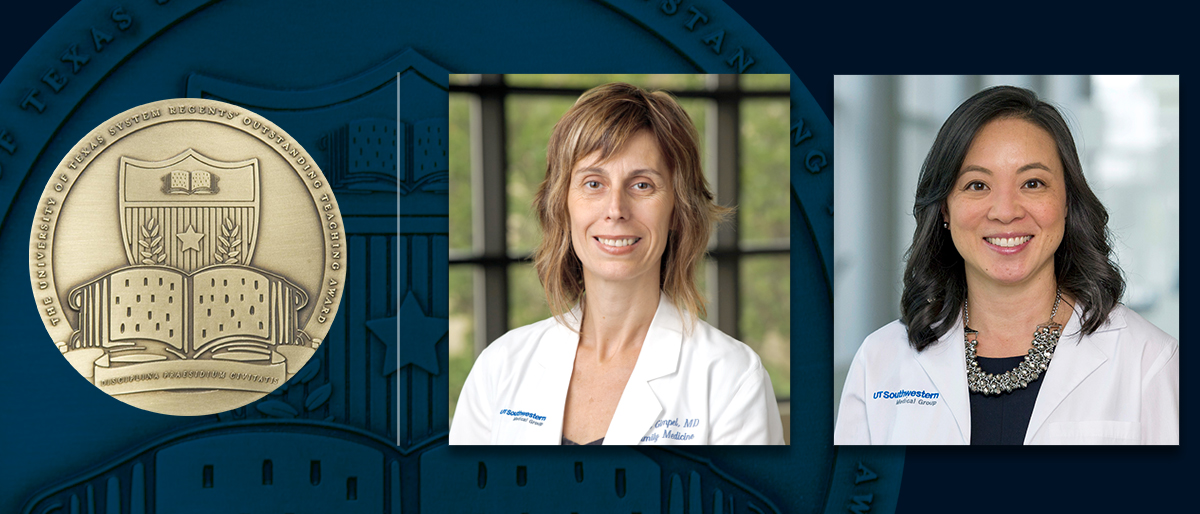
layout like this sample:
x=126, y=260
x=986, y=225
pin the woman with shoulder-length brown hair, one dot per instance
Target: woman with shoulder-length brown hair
x=625, y=214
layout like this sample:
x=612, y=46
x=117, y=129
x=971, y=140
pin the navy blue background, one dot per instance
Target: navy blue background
x=819, y=42
x=1019, y=39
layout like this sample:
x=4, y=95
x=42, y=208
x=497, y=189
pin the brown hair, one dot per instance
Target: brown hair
x=603, y=120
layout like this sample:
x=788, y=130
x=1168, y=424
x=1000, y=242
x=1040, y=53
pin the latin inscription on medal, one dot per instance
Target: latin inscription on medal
x=209, y=277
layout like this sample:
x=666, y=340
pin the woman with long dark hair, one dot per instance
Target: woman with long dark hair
x=1011, y=329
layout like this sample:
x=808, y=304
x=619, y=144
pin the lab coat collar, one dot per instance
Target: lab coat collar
x=639, y=407
x=1074, y=359
x=555, y=355
x=945, y=364
x=557, y=350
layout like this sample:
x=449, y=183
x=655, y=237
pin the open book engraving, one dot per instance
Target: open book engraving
x=155, y=313
x=195, y=182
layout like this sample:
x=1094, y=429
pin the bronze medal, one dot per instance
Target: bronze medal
x=186, y=257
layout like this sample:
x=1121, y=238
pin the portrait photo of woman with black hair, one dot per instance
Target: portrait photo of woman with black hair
x=1011, y=324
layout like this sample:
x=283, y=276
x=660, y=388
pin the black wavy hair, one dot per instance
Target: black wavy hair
x=935, y=284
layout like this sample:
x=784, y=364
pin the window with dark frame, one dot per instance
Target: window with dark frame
x=496, y=124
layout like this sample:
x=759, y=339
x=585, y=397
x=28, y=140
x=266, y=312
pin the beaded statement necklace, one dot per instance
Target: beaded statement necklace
x=1045, y=339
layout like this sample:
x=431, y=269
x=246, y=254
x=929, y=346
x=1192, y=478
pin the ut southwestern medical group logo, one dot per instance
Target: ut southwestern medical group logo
x=904, y=396
x=520, y=415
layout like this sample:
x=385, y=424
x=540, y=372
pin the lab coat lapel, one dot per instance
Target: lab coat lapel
x=1074, y=359
x=945, y=365
x=639, y=407
x=555, y=359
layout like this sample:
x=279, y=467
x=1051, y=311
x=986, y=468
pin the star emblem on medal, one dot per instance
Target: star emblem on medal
x=190, y=239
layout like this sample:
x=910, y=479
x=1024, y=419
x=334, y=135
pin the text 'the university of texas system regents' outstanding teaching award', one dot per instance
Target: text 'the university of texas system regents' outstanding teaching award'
x=186, y=257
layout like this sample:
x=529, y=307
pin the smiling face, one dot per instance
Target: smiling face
x=1007, y=211
x=620, y=213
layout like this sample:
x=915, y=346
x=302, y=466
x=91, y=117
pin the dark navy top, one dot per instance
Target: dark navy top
x=1002, y=419
x=568, y=442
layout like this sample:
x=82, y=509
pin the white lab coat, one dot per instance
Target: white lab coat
x=697, y=387
x=1119, y=385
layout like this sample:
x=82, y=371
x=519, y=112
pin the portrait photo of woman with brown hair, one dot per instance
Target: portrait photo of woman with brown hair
x=626, y=214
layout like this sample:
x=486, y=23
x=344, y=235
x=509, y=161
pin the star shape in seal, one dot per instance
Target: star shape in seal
x=421, y=334
x=384, y=330
x=190, y=239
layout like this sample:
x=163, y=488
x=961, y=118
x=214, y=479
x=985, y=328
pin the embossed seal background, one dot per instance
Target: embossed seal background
x=55, y=450
x=321, y=73
x=209, y=278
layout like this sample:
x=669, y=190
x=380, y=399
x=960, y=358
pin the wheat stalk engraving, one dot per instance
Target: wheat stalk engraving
x=229, y=243
x=151, y=244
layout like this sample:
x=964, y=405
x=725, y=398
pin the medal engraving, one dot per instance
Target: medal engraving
x=187, y=257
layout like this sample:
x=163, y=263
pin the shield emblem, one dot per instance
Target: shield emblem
x=189, y=211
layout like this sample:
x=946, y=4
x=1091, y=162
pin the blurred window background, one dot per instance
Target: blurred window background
x=499, y=127
x=1126, y=130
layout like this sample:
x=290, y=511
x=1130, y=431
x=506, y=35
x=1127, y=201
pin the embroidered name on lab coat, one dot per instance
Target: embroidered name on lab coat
x=676, y=429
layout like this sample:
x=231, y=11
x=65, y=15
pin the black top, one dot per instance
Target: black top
x=1002, y=419
x=568, y=442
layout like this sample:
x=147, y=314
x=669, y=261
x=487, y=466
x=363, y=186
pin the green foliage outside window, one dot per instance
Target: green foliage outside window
x=763, y=207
